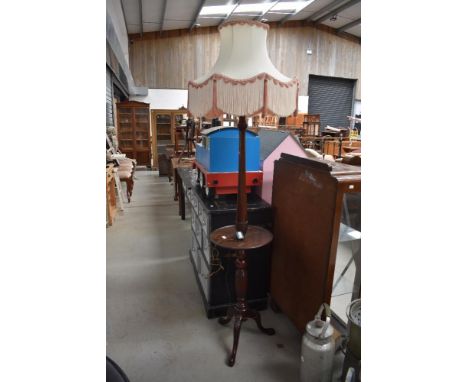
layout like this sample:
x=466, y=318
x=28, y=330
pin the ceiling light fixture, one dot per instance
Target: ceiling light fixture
x=290, y=6
x=258, y=8
x=333, y=18
x=221, y=10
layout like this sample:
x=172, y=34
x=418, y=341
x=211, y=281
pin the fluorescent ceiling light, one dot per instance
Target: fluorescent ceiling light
x=253, y=8
x=222, y=10
x=291, y=6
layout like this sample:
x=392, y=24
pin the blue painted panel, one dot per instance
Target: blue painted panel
x=202, y=156
x=222, y=151
x=223, y=154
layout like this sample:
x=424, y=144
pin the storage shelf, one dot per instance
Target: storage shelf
x=133, y=130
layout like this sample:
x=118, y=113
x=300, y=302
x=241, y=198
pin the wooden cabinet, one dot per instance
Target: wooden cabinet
x=295, y=120
x=133, y=131
x=316, y=250
x=166, y=130
x=214, y=267
x=311, y=124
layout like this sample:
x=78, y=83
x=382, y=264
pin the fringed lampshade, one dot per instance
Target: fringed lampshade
x=243, y=81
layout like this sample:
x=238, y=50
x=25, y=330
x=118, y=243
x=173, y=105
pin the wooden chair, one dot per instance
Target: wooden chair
x=110, y=195
x=126, y=170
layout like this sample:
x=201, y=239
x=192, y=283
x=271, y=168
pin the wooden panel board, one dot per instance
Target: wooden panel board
x=170, y=61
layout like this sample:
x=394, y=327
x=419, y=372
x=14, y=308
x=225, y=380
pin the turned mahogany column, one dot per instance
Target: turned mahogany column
x=239, y=238
x=241, y=216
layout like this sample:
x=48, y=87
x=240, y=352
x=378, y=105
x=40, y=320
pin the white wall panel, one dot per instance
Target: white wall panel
x=164, y=98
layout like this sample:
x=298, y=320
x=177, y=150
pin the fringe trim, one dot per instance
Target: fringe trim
x=244, y=22
x=260, y=76
x=200, y=99
x=261, y=94
x=282, y=100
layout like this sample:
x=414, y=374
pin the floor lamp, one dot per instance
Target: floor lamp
x=243, y=82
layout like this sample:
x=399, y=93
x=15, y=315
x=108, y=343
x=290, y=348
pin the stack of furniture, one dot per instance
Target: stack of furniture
x=214, y=267
x=337, y=132
x=332, y=146
x=310, y=136
x=352, y=152
x=167, y=130
x=311, y=124
x=133, y=131
x=266, y=121
x=295, y=120
x=340, y=147
x=352, y=146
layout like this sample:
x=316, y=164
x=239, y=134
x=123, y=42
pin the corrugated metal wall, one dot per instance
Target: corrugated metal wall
x=109, y=108
x=332, y=98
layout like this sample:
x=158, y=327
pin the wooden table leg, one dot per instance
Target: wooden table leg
x=181, y=196
x=176, y=186
x=241, y=312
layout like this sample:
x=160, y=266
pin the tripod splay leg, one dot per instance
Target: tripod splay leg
x=258, y=320
x=237, y=327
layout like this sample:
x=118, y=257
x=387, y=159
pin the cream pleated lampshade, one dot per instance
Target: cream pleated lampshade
x=243, y=81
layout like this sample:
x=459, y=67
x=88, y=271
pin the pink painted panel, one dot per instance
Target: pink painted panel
x=288, y=146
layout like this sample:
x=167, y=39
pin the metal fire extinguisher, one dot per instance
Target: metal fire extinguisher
x=318, y=349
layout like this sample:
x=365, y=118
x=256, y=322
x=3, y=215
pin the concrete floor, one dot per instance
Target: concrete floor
x=157, y=329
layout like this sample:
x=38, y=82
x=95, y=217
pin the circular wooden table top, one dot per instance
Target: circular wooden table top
x=256, y=237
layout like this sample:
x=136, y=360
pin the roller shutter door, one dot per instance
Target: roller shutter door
x=332, y=98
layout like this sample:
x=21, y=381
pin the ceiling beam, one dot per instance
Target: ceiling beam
x=194, y=21
x=141, y=17
x=229, y=15
x=212, y=29
x=324, y=9
x=287, y=17
x=163, y=16
x=336, y=11
x=125, y=17
x=260, y=17
x=349, y=25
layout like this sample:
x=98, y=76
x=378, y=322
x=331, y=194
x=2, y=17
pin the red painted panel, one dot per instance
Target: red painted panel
x=226, y=182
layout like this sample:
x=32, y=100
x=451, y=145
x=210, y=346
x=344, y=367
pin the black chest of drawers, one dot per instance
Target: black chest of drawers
x=214, y=268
